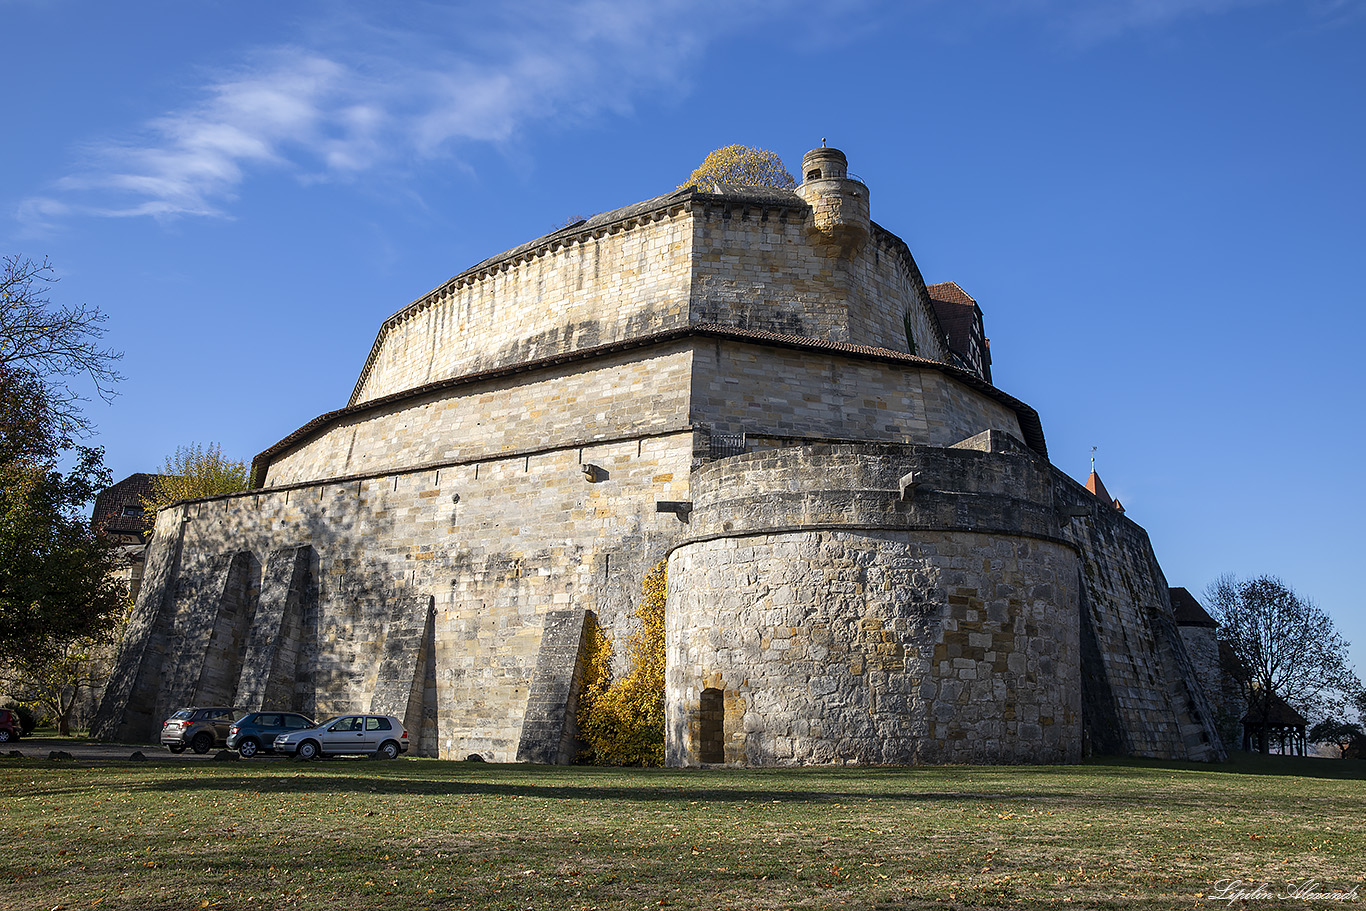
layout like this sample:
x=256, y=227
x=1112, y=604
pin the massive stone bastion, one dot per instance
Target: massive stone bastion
x=870, y=557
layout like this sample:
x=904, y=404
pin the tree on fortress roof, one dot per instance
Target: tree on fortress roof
x=195, y=471
x=1283, y=646
x=742, y=166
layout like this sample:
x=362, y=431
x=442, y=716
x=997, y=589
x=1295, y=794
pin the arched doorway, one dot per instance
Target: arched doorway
x=712, y=730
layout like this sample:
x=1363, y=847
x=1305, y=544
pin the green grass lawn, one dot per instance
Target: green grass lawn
x=429, y=834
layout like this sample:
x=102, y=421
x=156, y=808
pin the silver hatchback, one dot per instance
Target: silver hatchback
x=347, y=735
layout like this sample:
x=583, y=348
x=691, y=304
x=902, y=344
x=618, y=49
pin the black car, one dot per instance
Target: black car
x=256, y=731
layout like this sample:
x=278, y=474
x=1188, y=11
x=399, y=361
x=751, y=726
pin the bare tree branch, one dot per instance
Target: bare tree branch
x=1283, y=645
x=52, y=343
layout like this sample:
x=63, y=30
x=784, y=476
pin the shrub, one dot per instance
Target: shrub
x=622, y=721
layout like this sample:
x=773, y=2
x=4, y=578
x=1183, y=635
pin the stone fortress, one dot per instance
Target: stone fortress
x=870, y=558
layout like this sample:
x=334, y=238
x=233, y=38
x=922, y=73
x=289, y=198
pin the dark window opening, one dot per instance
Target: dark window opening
x=712, y=747
x=813, y=175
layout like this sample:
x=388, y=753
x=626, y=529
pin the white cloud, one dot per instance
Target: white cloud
x=375, y=86
x=373, y=94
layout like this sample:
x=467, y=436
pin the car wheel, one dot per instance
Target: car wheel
x=308, y=750
x=388, y=750
x=5, y=736
x=176, y=747
x=202, y=743
x=248, y=748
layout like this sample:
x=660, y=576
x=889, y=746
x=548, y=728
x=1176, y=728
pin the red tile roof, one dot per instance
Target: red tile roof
x=1097, y=487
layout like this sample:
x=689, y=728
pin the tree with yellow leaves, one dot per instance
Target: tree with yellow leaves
x=195, y=471
x=622, y=721
x=742, y=166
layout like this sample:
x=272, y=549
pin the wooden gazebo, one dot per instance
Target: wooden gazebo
x=1281, y=724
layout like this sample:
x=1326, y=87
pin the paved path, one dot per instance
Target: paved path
x=40, y=747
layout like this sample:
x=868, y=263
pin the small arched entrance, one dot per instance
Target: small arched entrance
x=712, y=727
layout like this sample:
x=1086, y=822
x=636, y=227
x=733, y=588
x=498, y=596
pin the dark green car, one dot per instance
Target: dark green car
x=256, y=731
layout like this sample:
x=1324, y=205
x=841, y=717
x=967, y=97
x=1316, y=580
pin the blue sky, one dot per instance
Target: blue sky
x=1159, y=204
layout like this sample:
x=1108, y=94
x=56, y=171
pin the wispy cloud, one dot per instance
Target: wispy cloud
x=1094, y=22
x=375, y=94
x=370, y=87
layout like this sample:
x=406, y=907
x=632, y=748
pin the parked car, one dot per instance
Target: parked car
x=256, y=731
x=199, y=728
x=10, y=726
x=347, y=735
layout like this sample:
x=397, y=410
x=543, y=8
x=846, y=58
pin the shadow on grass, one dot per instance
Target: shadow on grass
x=1097, y=783
x=1240, y=763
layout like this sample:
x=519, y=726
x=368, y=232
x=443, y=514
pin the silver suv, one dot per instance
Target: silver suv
x=347, y=735
x=199, y=728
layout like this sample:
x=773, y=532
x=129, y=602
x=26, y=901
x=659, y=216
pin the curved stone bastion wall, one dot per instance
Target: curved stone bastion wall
x=873, y=604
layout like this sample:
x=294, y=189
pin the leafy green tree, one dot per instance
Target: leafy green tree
x=56, y=573
x=1341, y=734
x=740, y=165
x=1282, y=645
x=56, y=580
x=195, y=471
x=53, y=675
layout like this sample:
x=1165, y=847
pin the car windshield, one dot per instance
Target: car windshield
x=182, y=715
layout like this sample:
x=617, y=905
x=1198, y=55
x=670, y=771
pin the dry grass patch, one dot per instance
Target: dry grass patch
x=426, y=834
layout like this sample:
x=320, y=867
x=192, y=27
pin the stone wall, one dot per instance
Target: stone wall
x=1144, y=700
x=1221, y=692
x=592, y=287
x=660, y=265
x=740, y=387
x=619, y=396
x=487, y=549
x=881, y=603
x=725, y=385
x=757, y=267
x=842, y=621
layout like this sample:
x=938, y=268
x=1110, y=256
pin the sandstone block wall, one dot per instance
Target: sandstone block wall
x=841, y=621
x=1144, y=698
x=614, y=397
x=874, y=647
x=612, y=282
x=757, y=267
x=684, y=258
x=489, y=547
x=751, y=388
x=968, y=617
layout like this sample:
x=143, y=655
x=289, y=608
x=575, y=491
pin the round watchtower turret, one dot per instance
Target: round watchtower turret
x=839, y=203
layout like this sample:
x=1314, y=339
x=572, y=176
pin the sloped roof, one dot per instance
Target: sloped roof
x=109, y=505
x=1097, y=487
x=957, y=312
x=1279, y=713
x=1187, y=610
